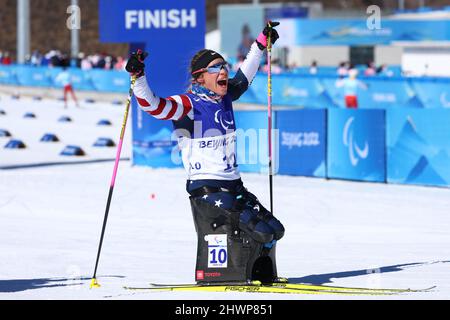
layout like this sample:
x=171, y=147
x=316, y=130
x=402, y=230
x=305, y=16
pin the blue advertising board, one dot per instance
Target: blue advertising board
x=29, y=76
x=91, y=80
x=357, y=31
x=356, y=145
x=289, y=90
x=302, y=144
x=80, y=79
x=8, y=75
x=433, y=93
x=382, y=93
x=110, y=80
x=418, y=146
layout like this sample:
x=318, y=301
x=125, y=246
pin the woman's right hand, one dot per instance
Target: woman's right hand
x=135, y=65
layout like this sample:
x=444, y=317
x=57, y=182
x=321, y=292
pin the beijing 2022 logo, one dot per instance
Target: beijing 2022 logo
x=355, y=152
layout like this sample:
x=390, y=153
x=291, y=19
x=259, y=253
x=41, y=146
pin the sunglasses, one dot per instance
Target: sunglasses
x=214, y=68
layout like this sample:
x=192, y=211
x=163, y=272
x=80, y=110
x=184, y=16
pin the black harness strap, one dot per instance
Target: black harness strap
x=200, y=192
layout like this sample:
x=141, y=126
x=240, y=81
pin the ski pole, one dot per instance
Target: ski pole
x=94, y=283
x=269, y=110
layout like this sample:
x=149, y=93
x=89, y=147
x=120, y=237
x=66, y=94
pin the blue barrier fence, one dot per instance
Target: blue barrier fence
x=418, y=146
x=94, y=80
x=407, y=146
x=356, y=145
x=323, y=91
x=293, y=89
x=302, y=142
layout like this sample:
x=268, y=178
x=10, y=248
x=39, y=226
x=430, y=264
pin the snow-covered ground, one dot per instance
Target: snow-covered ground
x=337, y=232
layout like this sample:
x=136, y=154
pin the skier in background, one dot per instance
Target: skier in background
x=213, y=174
x=350, y=86
x=64, y=78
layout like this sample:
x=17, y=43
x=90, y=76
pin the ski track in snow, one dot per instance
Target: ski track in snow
x=337, y=232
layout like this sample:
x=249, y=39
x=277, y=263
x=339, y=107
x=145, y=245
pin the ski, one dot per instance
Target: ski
x=276, y=287
x=249, y=288
x=283, y=282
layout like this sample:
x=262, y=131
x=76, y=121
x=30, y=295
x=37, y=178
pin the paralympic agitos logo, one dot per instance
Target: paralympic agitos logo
x=221, y=118
x=355, y=152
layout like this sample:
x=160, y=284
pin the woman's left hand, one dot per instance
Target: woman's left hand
x=268, y=29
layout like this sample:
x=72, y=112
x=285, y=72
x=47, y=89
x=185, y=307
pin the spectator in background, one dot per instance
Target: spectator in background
x=86, y=64
x=65, y=80
x=79, y=59
x=6, y=59
x=275, y=67
x=342, y=70
x=370, y=69
x=313, y=67
x=55, y=58
x=36, y=58
x=120, y=64
x=350, y=86
x=384, y=71
x=246, y=42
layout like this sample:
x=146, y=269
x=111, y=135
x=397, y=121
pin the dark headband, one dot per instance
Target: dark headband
x=205, y=59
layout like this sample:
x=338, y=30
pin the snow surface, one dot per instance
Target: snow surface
x=337, y=232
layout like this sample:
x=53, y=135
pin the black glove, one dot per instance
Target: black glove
x=268, y=29
x=135, y=64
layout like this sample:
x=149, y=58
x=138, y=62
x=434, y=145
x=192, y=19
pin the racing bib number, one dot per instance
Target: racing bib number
x=217, y=250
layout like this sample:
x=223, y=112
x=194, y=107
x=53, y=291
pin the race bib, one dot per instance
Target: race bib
x=211, y=157
x=217, y=250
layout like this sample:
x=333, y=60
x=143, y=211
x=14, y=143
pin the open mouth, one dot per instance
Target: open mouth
x=222, y=83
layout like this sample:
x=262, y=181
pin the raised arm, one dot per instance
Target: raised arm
x=171, y=108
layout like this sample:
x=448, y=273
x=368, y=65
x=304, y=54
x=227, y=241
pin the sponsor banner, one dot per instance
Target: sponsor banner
x=356, y=145
x=418, y=146
x=7, y=75
x=325, y=91
x=361, y=32
x=306, y=92
x=31, y=76
x=110, y=80
x=288, y=90
x=386, y=93
x=91, y=80
x=286, y=11
x=302, y=144
x=373, y=93
x=81, y=79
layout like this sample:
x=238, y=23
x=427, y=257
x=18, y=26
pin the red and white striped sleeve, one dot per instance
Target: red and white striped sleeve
x=171, y=108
